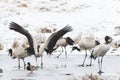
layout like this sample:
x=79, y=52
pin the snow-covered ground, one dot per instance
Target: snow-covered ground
x=95, y=17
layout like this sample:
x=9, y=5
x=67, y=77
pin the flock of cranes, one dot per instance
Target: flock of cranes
x=97, y=49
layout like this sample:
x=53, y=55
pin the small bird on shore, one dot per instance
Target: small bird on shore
x=30, y=68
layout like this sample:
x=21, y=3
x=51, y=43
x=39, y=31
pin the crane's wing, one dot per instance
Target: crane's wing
x=51, y=41
x=20, y=29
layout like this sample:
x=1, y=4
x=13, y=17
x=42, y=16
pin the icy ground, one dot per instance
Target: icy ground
x=60, y=69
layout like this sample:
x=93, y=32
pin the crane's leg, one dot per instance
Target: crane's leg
x=42, y=62
x=36, y=62
x=24, y=64
x=60, y=53
x=18, y=64
x=84, y=58
x=90, y=60
x=100, y=65
x=65, y=53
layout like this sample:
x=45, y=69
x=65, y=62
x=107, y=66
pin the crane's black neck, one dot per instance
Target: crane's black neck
x=30, y=51
x=10, y=52
x=38, y=48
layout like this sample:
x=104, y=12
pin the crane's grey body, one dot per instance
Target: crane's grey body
x=100, y=51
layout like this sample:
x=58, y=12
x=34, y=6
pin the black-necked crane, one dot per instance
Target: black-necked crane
x=100, y=51
x=53, y=38
x=23, y=52
x=86, y=43
x=18, y=53
x=63, y=42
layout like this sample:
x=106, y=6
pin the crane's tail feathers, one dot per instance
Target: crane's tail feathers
x=67, y=28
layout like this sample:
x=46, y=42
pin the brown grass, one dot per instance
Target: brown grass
x=91, y=77
x=23, y=5
x=45, y=30
x=25, y=43
x=1, y=46
x=15, y=44
x=39, y=39
x=44, y=9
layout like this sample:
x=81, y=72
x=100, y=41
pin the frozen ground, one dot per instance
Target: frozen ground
x=55, y=69
x=95, y=17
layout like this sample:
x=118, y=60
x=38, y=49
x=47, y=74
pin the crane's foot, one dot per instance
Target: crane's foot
x=82, y=65
x=57, y=57
x=41, y=65
x=89, y=65
x=100, y=72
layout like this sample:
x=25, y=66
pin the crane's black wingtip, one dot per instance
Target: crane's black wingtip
x=68, y=28
x=12, y=24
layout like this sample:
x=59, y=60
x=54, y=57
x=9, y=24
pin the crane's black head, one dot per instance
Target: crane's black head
x=10, y=52
x=75, y=48
x=108, y=39
x=48, y=51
